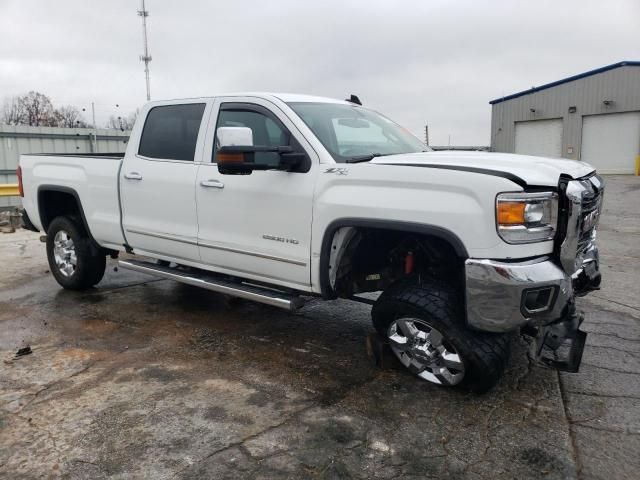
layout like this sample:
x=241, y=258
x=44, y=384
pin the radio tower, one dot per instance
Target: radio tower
x=146, y=58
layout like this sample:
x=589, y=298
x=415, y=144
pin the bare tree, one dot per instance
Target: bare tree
x=68, y=117
x=113, y=122
x=38, y=109
x=33, y=109
x=122, y=123
x=13, y=112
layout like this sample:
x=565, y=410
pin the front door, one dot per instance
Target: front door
x=257, y=226
x=157, y=184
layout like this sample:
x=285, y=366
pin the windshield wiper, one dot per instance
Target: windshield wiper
x=365, y=158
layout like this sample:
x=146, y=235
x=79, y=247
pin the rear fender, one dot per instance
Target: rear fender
x=49, y=212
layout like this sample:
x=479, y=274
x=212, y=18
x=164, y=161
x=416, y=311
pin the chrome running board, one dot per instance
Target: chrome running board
x=211, y=281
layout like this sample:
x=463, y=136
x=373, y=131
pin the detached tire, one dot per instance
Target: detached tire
x=424, y=325
x=73, y=259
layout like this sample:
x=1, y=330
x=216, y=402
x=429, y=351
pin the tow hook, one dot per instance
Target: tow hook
x=561, y=344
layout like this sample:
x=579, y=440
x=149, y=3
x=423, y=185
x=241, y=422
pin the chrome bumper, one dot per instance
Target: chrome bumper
x=498, y=293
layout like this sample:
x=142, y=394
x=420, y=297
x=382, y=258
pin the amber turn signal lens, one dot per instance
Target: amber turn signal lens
x=510, y=213
x=230, y=158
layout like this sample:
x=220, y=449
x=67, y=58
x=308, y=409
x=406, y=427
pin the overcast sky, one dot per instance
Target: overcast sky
x=419, y=61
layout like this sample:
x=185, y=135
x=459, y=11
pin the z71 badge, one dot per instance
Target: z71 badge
x=337, y=170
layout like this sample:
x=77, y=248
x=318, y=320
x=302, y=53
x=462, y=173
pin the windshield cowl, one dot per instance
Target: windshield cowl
x=366, y=158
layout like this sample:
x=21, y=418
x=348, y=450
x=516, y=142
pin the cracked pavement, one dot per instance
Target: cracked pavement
x=145, y=378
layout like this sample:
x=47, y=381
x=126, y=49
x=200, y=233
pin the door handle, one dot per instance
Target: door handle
x=212, y=183
x=133, y=176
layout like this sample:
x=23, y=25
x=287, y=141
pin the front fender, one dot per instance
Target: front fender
x=460, y=203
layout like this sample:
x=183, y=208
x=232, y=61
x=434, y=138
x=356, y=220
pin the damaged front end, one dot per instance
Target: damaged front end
x=560, y=344
x=538, y=296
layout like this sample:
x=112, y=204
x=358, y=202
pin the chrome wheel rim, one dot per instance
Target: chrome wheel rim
x=423, y=350
x=64, y=253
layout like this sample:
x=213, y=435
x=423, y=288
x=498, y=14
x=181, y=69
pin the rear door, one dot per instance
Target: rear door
x=157, y=183
x=257, y=226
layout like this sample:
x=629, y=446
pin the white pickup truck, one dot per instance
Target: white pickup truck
x=276, y=198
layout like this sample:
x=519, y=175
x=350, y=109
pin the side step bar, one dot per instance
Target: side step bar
x=213, y=282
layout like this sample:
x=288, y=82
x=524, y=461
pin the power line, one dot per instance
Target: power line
x=146, y=58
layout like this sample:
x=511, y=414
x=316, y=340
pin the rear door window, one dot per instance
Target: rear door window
x=171, y=132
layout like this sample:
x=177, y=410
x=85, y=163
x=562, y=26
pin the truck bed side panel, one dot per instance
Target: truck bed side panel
x=94, y=179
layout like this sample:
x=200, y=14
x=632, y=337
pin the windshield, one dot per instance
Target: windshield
x=351, y=132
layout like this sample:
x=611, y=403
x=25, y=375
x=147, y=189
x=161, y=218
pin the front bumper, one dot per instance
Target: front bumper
x=505, y=296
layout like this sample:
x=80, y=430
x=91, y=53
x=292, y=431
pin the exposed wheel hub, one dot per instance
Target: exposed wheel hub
x=64, y=253
x=423, y=350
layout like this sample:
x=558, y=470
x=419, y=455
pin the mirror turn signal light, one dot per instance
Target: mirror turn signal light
x=230, y=158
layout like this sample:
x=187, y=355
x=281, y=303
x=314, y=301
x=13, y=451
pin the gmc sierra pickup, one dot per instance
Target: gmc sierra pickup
x=275, y=198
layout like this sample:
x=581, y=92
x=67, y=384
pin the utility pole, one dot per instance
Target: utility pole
x=426, y=135
x=146, y=58
x=95, y=128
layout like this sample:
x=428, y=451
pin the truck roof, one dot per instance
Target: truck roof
x=285, y=97
x=295, y=97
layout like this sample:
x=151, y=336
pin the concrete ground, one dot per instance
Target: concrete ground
x=146, y=378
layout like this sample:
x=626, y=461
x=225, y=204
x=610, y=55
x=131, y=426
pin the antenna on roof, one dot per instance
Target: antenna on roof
x=354, y=99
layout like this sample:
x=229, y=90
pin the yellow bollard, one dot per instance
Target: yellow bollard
x=637, y=165
x=9, y=190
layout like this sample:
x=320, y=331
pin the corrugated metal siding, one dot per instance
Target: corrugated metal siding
x=621, y=85
x=18, y=139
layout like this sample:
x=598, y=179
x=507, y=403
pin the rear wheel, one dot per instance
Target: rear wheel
x=424, y=325
x=73, y=260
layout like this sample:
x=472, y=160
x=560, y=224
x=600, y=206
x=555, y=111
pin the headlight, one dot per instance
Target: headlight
x=527, y=217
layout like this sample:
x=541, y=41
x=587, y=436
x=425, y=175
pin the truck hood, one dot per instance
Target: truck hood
x=524, y=170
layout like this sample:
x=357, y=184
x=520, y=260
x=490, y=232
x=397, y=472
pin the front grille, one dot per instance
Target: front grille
x=591, y=207
x=580, y=208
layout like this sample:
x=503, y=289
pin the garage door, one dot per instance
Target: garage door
x=611, y=142
x=539, y=137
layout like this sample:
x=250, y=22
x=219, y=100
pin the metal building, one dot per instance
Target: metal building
x=593, y=117
x=18, y=139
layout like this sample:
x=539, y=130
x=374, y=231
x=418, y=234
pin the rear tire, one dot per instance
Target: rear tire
x=73, y=259
x=424, y=325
